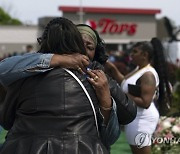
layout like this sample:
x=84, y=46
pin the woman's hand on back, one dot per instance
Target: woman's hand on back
x=75, y=61
x=100, y=83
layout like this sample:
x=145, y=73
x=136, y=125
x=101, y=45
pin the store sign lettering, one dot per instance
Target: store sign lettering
x=111, y=26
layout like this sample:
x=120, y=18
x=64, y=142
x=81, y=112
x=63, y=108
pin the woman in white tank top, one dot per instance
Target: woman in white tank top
x=147, y=115
x=143, y=85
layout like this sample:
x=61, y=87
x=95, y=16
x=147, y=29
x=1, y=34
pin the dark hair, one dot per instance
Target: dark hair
x=145, y=46
x=100, y=55
x=61, y=36
x=29, y=46
x=155, y=51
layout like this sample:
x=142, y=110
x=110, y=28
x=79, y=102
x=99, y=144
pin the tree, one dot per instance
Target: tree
x=6, y=19
x=173, y=31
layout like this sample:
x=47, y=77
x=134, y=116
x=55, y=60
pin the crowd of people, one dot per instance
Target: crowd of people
x=29, y=48
x=69, y=97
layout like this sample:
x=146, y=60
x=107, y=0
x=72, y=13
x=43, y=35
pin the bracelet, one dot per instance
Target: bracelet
x=106, y=108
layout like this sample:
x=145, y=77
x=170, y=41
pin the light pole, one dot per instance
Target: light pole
x=80, y=12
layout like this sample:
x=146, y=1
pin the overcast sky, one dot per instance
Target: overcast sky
x=29, y=11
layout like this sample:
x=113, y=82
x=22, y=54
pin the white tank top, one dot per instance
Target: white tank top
x=133, y=79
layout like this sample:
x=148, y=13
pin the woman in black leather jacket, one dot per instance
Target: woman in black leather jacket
x=95, y=48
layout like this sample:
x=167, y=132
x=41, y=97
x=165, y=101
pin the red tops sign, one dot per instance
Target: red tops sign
x=111, y=26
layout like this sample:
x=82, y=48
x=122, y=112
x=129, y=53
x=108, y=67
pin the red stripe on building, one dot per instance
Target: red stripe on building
x=110, y=10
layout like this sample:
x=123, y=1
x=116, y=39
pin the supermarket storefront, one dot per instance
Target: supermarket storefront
x=116, y=26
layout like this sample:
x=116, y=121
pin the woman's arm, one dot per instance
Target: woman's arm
x=109, y=125
x=126, y=108
x=111, y=131
x=17, y=67
x=148, y=87
x=100, y=83
x=112, y=71
x=8, y=106
x=14, y=68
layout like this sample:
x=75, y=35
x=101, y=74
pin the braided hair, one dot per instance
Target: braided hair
x=61, y=36
x=100, y=55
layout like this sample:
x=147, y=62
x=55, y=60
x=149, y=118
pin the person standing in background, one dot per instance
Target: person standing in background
x=148, y=86
x=29, y=48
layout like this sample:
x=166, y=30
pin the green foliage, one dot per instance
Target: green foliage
x=176, y=94
x=2, y=136
x=174, y=150
x=178, y=74
x=6, y=19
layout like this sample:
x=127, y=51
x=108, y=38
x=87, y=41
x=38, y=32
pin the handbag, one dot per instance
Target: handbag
x=87, y=94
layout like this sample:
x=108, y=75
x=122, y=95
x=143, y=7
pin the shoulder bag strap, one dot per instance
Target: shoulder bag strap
x=87, y=94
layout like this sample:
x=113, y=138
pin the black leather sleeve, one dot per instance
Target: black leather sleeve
x=126, y=108
x=9, y=104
